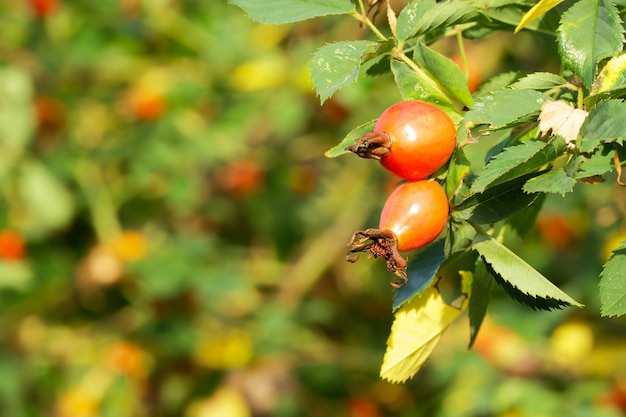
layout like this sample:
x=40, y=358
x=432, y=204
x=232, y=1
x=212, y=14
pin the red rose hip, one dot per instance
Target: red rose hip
x=412, y=139
x=414, y=214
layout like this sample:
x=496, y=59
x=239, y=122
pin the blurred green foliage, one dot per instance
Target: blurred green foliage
x=173, y=239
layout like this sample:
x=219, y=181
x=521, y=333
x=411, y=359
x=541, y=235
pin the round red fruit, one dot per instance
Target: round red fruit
x=412, y=139
x=416, y=212
x=413, y=216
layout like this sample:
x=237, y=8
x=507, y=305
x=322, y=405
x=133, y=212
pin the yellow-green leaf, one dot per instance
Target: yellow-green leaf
x=417, y=327
x=536, y=12
x=612, y=76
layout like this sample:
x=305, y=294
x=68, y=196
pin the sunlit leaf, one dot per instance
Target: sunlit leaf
x=612, y=76
x=415, y=331
x=520, y=280
x=538, y=10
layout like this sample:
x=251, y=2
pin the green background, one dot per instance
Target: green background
x=190, y=260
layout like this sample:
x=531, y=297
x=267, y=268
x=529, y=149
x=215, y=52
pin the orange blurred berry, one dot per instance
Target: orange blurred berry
x=12, y=245
x=146, y=103
x=50, y=114
x=555, y=230
x=362, y=407
x=128, y=359
x=241, y=178
x=44, y=8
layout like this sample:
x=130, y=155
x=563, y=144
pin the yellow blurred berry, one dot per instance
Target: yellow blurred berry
x=571, y=343
x=259, y=74
x=130, y=246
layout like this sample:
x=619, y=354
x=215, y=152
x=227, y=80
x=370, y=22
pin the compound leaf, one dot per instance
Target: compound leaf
x=516, y=161
x=497, y=202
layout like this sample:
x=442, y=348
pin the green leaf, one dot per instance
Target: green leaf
x=288, y=11
x=336, y=65
x=599, y=163
x=590, y=31
x=519, y=279
x=506, y=108
x=538, y=10
x=441, y=15
x=606, y=123
x=416, y=330
x=556, y=182
x=516, y=161
x=418, y=86
x=448, y=74
x=350, y=139
x=613, y=284
x=539, y=81
x=410, y=16
x=421, y=271
x=458, y=169
x=496, y=203
x=460, y=236
x=482, y=284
